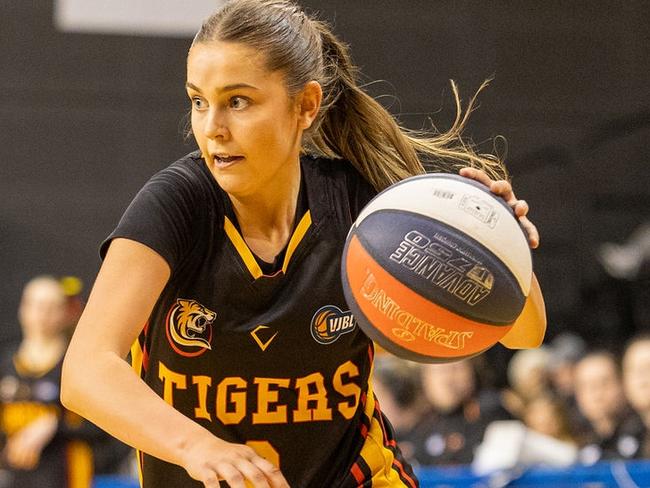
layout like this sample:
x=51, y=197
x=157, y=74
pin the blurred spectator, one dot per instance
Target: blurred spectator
x=43, y=441
x=566, y=350
x=549, y=415
x=397, y=384
x=460, y=413
x=528, y=375
x=636, y=382
x=600, y=399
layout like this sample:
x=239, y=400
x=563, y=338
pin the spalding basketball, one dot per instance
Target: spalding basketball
x=436, y=268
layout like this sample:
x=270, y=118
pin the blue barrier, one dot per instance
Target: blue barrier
x=629, y=474
x=115, y=482
x=617, y=474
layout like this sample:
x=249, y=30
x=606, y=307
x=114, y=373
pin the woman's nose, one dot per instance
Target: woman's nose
x=216, y=125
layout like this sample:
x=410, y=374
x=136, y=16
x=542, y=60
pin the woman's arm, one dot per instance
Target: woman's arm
x=100, y=385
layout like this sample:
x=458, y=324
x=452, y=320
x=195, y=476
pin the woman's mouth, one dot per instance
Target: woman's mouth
x=224, y=161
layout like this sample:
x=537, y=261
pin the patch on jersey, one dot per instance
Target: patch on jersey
x=189, y=327
x=330, y=322
x=263, y=336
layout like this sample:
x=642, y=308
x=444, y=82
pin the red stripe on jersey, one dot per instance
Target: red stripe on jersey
x=364, y=430
x=392, y=444
x=402, y=473
x=143, y=346
x=357, y=473
x=145, y=359
x=380, y=418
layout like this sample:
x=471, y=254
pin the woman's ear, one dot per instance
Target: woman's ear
x=309, y=101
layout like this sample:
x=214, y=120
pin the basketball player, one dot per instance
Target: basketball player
x=226, y=265
x=45, y=444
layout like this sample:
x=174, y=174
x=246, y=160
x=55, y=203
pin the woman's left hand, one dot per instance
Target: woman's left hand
x=504, y=190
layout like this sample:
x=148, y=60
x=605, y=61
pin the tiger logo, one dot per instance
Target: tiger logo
x=189, y=327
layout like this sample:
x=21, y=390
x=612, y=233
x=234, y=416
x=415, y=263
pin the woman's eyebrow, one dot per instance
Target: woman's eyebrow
x=234, y=86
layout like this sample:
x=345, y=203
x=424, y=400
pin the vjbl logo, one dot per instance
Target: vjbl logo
x=330, y=322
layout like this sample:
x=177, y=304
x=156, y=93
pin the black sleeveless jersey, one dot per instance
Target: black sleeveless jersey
x=276, y=362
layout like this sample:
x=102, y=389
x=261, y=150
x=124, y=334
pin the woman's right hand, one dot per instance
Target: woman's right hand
x=211, y=459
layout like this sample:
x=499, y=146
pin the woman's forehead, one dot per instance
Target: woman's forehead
x=226, y=60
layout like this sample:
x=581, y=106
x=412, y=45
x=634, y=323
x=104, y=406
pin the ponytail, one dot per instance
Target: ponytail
x=355, y=127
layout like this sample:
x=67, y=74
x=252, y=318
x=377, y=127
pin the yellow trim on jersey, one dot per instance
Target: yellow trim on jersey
x=243, y=250
x=378, y=457
x=246, y=254
x=138, y=458
x=136, y=357
x=80, y=465
x=298, y=234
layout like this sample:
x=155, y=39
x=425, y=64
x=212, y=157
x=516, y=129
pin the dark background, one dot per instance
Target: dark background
x=86, y=119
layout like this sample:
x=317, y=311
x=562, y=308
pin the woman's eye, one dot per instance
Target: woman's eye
x=198, y=103
x=238, y=103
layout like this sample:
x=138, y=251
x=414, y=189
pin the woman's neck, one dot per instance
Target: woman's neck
x=266, y=219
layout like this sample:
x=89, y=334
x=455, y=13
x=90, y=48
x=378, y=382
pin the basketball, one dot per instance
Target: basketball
x=436, y=268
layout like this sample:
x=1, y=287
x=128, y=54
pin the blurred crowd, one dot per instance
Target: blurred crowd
x=561, y=402
x=593, y=404
x=41, y=443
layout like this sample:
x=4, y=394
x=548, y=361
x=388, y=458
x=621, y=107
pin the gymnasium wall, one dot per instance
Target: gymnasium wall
x=86, y=118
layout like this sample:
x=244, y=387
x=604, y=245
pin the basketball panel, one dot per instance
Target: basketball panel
x=404, y=318
x=442, y=265
x=468, y=206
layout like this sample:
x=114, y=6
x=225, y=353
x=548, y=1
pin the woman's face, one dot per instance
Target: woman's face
x=543, y=416
x=42, y=309
x=247, y=127
x=636, y=376
x=448, y=385
x=598, y=388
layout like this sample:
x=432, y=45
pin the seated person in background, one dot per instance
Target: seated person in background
x=43, y=446
x=636, y=383
x=549, y=415
x=566, y=350
x=528, y=376
x=460, y=412
x=397, y=385
x=600, y=400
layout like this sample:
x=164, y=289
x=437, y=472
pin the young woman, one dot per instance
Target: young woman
x=218, y=270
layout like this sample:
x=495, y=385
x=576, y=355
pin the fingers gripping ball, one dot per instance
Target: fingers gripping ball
x=436, y=268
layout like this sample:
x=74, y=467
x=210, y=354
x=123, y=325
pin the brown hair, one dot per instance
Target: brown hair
x=351, y=124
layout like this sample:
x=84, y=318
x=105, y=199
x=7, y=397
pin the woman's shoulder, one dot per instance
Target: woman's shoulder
x=171, y=211
x=187, y=171
x=336, y=173
x=342, y=184
x=330, y=167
